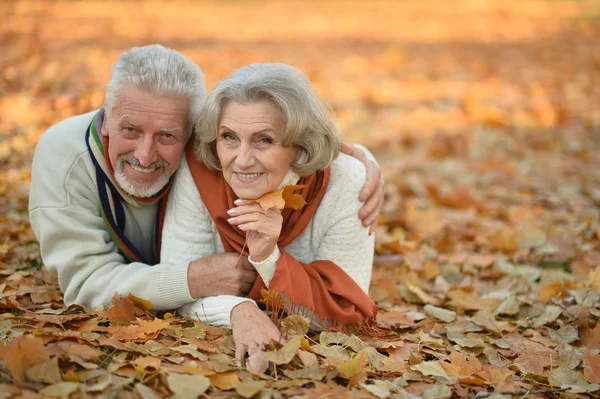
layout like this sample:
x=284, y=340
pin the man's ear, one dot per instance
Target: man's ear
x=104, y=129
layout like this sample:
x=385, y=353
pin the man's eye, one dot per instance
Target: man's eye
x=130, y=129
x=168, y=135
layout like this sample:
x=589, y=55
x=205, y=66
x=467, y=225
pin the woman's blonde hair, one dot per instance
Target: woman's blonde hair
x=308, y=121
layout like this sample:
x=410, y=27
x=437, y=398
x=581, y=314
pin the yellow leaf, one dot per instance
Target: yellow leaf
x=140, y=303
x=223, y=381
x=353, y=367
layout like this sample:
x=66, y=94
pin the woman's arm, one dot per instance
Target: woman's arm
x=334, y=282
x=188, y=236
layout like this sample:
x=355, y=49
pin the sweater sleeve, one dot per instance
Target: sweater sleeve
x=334, y=283
x=189, y=234
x=74, y=244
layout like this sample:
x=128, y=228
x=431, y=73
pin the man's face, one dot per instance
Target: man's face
x=148, y=134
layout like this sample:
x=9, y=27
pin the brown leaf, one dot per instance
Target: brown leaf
x=22, y=353
x=280, y=199
x=591, y=371
x=590, y=338
x=122, y=309
x=47, y=372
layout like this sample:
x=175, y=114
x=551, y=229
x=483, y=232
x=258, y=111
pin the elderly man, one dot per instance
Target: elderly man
x=100, y=183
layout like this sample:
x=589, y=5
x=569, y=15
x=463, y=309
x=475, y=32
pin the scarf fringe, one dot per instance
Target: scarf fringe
x=279, y=304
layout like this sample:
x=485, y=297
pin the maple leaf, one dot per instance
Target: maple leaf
x=281, y=199
x=122, y=309
x=591, y=371
x=23, y=353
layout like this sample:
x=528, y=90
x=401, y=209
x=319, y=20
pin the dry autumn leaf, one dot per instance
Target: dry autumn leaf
x=487, y=267
x=281, y=199
x=23, y=353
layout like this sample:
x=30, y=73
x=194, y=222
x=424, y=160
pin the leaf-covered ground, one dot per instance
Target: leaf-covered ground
x=485, y=117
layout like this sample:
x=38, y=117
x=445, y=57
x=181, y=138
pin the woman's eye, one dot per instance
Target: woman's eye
x=266, y=140
x=228, y=136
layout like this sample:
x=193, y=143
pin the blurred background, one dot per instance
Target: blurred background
x=481, y=106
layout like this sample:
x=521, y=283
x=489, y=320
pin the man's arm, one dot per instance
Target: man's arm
x=372, y=191
x=64, y=213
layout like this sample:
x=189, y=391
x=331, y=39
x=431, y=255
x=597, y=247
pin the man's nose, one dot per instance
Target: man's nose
x=146, y=151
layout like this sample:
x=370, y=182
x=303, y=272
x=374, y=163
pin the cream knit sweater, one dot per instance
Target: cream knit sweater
x=335, y=233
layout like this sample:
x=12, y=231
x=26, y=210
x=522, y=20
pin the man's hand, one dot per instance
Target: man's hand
x=252, y=330
x=372, y=192
x=224, y=273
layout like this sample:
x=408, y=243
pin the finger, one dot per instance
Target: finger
x=246, y=208
x=247, y=218
x=351, y=150
x=370, y=206
x=372, y=217
x=264, y=229
x=347, y=148
x=240, y=352
x=373, y=180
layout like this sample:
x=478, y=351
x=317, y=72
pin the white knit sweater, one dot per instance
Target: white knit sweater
x=335, y=233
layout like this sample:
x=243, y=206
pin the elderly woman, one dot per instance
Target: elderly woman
x=261, y=129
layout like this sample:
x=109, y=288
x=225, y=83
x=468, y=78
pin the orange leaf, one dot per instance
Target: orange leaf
x=590, y=338
x=280, y=199
x=23, y=353
x=122, y=309
x=293, y=201
x=591, y=372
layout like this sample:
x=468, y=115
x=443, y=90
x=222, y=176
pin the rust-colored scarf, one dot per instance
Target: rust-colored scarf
x=321, y=286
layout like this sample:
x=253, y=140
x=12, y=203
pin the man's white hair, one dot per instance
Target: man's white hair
x=159, y=70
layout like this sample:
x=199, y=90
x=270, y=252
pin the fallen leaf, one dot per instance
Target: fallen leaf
x=22, y=353
x=353, y=369
x=286, y=353
x=440, y=313
x=565, y=378
x=147, y=392
x=223, y=381
x=140, y=303
x=248, y=389
x=187, y=386
x=591, y=370
x=60, y=390
x=122, y=309
x=47, y=372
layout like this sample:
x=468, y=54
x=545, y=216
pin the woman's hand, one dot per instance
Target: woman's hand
x=252, y=330
x=262, y=228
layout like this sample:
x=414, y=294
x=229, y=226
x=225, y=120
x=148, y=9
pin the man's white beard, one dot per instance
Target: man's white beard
x=134, y=190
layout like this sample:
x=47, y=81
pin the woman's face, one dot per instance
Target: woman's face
x=253, y=160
